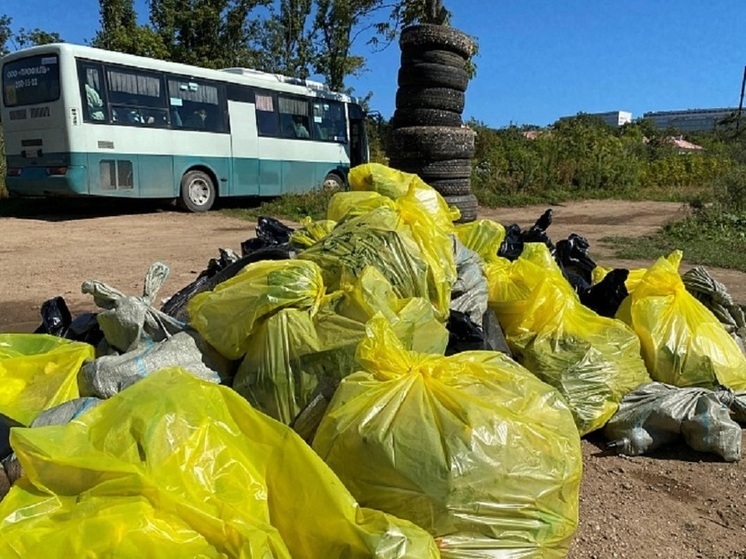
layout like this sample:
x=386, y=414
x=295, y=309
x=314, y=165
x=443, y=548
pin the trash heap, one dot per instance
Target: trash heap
x=385, y=382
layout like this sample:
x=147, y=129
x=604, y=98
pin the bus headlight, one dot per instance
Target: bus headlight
x=14, y=171
x=56, y=171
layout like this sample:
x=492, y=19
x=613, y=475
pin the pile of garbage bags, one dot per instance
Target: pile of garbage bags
x=383, y=382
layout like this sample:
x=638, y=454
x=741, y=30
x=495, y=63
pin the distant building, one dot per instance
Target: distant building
x=691, y=120
x=612, y=118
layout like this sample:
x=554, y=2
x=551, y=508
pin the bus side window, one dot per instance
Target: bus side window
x=266, y=116
x=92, y=92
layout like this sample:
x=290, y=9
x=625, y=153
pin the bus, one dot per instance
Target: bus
x=81, y=121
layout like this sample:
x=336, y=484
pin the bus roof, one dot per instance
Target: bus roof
x=243, y=76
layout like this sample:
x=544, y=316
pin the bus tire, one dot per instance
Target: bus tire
x=333, y=180
x=197, y=191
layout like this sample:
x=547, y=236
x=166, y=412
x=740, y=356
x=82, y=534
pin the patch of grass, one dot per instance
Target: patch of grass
x=494, y=199
x=708, y=236
x=292, y=207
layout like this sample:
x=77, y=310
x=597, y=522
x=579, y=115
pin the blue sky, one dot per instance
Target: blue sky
x=541, y=59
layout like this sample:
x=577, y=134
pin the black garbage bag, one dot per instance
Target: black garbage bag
x=55, y=317
x=176, y=306
x=606, y=296
x=572, y=256
x=181, y=297
x=6, y=423
x=269, y=232
x=512, y=245
x=467, y=335
x=57, y=320
x=538, y=231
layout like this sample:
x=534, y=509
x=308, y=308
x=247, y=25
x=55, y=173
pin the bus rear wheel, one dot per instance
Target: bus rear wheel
x=197, y=192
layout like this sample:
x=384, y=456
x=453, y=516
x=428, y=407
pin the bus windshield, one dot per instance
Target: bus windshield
x=31, y=80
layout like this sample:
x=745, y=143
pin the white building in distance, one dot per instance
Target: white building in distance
x=612, y=118
x=691, y=120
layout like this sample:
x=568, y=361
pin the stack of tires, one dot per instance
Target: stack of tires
x=428, y=137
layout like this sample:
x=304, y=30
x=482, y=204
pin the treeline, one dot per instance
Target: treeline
x=293, y=37
x=583, y=156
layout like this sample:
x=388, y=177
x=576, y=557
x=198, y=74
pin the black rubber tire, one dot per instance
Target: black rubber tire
x=425, y=117
x=435, y=170
x=424, y=56
x=451, y=187
x=197, y=192
x=433, y=75
x=438, y=37
x=433, y=143
x=441, y=98
x=466, y=204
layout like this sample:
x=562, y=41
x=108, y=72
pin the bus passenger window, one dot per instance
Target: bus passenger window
x=266, y=117
x=329, y=120
x=95, y=104
x=94, y=109
x=294, y=117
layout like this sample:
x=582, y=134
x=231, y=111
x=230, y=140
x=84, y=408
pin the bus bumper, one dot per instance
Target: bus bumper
x=45, y=181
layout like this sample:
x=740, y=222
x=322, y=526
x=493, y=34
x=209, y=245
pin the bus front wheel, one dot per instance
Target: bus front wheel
x=197, y=191
x=334, y=181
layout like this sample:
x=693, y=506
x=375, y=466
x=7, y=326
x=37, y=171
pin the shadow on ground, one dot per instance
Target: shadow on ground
x=68, y=209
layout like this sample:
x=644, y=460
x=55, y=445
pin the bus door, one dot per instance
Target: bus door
x=244, y=151
x=359, y=151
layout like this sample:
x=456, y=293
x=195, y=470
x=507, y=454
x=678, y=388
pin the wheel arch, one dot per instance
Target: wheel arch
x=340, y=171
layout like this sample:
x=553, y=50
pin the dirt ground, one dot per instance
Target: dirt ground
x=673, y=504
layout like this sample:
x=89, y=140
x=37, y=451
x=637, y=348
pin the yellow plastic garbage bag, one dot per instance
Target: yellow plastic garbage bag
x=294, y=350
x=376, y=177
x=592, y=360
x=226, y=316
x=423, y=210
x=346, y=205
x=472, y=447
x=38, y=372
x=396, y=185
x=483, y=236
x=683, y=343
x=378, y=238
x=176, y=467
x=311, y=232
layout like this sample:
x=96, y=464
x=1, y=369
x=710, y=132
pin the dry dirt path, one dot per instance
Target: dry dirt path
x=675, y=504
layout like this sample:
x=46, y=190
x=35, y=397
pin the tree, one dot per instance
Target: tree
x=337, y=25
x=5, y=34
x=284, y=44
x=33, y=37
x=209, y=33
x=24, y=37
x=121, y=32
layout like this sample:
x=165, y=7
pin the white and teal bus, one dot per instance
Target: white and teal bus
x=88, y=122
